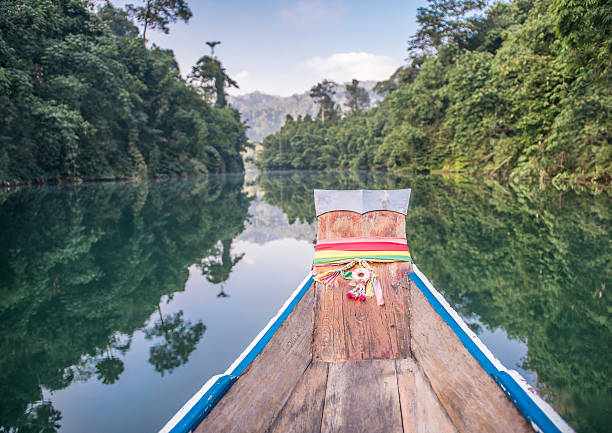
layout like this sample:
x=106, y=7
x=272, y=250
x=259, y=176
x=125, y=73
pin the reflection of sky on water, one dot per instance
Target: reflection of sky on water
x=272, y=266
x=143, y=400
x=105, y=254
x=510, y=352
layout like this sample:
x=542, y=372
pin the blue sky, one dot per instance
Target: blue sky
x=285, y=46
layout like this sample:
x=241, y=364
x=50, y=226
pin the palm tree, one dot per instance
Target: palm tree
x=109, y=369
x=210, y=76
x=179, y=339
x=212, y=45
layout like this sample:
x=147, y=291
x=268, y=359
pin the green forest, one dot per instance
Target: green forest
x=535, y=265
x=82, y=97
x=516, y=90
x=85, y=267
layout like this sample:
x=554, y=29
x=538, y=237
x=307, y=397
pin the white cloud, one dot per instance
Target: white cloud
x=242, y=75
x=305, y=13
x=343, y=67
x=245, y=80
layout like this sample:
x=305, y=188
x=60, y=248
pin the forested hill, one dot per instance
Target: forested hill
x=265, y=114
x=519, y=90
x=82, y=97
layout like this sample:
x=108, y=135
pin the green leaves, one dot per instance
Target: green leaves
x=82, y=98
x=506, y=95
x=358, y=97
x=322, y=94
x=211, y=79
x=158, y=14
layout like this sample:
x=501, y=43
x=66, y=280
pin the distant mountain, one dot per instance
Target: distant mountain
x=265, y=114
x=269, y=223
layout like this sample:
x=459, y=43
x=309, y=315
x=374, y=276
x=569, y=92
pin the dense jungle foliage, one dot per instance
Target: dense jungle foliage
x=82, y=269
x=534, y=264
x=521, y=91
x=81, y=96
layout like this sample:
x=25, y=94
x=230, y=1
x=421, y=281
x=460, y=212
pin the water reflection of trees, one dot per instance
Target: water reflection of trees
x=535, y=263
x=178, y=339
x=83, y=267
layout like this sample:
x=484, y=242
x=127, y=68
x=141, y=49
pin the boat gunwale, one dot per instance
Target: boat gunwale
x=191, y=414
x=541, y=416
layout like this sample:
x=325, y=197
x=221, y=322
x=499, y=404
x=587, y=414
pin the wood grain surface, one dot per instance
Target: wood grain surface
x=362, y=396
x=421, y=410
x=472, y=399
x=346, y=329
x=303, y=411
x=257, y=397
x=345, y=224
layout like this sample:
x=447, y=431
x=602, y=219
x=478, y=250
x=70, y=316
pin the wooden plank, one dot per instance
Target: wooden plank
x=362, y=396
x=304, y=409
x=346, y=329
x=259, y=394
x=328, y=333
x=472, y=399
x=344, y=224
x=422, y=412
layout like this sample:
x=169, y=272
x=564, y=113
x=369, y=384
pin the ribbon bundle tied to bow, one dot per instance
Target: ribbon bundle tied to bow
x=363, y=279
x=350, y=252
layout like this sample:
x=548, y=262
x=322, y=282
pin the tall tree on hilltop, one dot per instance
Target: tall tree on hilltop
x=358, y=97
x=322, y=94
x=157, y=14
x=212, y=45
x=210, y=77
x=441, y=22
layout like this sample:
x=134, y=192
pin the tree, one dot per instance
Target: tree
x=358, y=97
x=212, y=45
x=218, y=271
x=179, y=340
x=441, y=22
x=81, y=97
x=157, y=14
x=42, y=418
x=322, y=94
x=108, y=370
x=210, y=77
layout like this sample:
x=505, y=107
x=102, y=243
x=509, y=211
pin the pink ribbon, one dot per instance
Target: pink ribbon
x=378, y=292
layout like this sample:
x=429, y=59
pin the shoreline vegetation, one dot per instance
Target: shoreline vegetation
x=457, y=177
x=516, y=91
x=82, y=96
x=519, y=91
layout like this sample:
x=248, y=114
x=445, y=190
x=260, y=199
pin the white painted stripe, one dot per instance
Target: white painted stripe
x=548, y=410
x=190, y=403
x=246, y=351
x=450, y=310
x=198, y=395
x=555, y=418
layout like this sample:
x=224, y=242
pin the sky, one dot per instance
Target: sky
x=283, y=47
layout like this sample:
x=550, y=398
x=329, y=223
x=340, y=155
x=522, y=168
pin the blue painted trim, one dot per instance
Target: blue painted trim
x=465, y=339
x=202, y=408
x=524, y=403
x=211, y=397
x=268, y=335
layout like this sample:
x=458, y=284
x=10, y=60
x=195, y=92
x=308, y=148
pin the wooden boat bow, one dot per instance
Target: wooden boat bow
x=339, y=365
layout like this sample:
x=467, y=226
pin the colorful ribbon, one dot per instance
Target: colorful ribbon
x=344, y=250
x=353, y=251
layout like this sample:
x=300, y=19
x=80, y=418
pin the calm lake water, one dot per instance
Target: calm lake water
x=119, y=300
